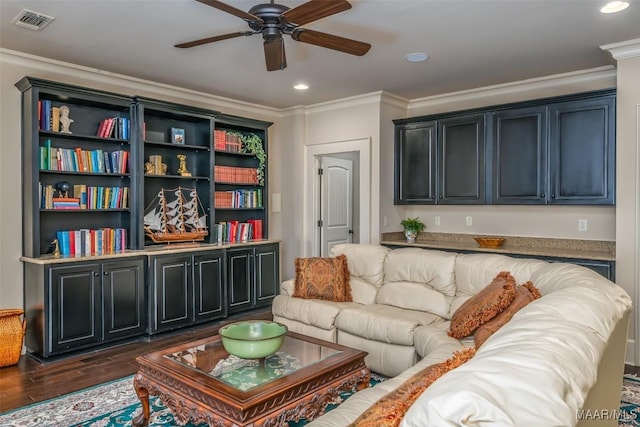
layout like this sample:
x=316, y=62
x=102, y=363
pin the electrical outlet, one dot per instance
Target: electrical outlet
x=582, y=225
x=436, y=220
x=469, y=221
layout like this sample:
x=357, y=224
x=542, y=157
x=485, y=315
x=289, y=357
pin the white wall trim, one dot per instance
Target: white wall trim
x=349, y=102
x=22, y=59
x=636, y=347
x=310, y=198
x=605, y=73
x=623, y=50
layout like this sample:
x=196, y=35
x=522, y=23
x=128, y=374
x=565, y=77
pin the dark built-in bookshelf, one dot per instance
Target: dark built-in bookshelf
x=121, y=152
x=91, y=186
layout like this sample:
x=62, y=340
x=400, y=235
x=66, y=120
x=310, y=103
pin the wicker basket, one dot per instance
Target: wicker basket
x=11, y=336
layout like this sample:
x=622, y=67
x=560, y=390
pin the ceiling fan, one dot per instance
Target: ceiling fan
x=272, y=20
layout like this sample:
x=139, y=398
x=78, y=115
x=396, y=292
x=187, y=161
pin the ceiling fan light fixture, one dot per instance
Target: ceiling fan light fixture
x=416, y=57
x=614, y=6
x=301, y=86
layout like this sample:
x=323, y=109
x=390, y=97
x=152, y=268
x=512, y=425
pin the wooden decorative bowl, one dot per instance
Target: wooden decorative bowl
x=490, y=242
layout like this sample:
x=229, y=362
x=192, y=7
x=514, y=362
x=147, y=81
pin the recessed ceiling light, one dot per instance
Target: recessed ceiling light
x=301, y=86
x=416, y=57
x=614, y=6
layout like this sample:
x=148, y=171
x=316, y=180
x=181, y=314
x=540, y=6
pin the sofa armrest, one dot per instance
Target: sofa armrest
x=287, y=287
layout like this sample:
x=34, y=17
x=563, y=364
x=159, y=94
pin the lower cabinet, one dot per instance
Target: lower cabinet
x=253, y=276
x=83, y=304
x=71, y=305
x=185, y=288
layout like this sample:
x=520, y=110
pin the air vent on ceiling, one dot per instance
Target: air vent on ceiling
x=32, y=20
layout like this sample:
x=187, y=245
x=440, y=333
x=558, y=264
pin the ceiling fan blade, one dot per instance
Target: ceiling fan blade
x=213, y=39
x=330, y=41
x=232, y=10
x=314, y=10
x=274, y=54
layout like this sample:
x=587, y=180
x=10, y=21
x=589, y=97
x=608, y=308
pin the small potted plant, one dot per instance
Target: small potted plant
x=412, y=226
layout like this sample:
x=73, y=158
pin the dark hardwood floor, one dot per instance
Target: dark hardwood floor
x=32, y=380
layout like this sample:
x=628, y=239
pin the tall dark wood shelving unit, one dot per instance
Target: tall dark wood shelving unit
x=154, y=120
x=80, y=302
x=88, y=108
x=225, y=158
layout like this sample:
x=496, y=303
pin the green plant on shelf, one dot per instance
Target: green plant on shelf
x=252, y=144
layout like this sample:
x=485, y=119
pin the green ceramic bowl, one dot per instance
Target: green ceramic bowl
x=252, y=339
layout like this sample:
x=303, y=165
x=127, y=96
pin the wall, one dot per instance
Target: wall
x=628, y=179
x=14, y=66
x=534, y=221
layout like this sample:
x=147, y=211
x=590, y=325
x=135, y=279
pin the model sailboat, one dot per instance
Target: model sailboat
x=172, y=217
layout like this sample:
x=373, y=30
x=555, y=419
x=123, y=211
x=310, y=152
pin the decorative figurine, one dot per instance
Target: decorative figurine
x=155, y=166
x=182, y=170
x=63, y=188
x=56, y=250
x=65, y=120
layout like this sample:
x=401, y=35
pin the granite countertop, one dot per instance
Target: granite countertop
x=600, y=250
x=172, y=248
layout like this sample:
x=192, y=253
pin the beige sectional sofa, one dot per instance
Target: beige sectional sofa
x=555, y=361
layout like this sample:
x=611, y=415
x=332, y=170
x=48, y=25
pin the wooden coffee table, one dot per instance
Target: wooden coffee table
x=201, y=382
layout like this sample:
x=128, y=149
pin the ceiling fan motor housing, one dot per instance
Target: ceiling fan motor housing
x=273, y=25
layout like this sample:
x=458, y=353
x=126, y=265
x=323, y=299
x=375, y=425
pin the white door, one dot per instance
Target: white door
x=336, y=202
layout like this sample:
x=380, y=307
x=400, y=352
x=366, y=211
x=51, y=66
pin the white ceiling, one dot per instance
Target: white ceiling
x=471, y=43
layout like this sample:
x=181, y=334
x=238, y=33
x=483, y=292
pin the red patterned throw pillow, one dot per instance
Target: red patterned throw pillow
x=483, y=306
x=389, y=410
x=323, y=278
x=525, y=293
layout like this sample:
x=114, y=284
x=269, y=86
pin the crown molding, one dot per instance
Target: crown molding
x=606, y=73
x=623, y=50
x=349, y=102
x=132, y=84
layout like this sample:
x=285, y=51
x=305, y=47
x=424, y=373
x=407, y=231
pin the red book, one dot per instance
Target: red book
x=101, y=127
x=72, y=243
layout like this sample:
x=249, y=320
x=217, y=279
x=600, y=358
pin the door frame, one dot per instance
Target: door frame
x=311, y=196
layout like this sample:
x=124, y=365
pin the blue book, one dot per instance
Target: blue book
x=64, y=242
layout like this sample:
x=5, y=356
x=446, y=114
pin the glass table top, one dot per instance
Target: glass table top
x=245, y=374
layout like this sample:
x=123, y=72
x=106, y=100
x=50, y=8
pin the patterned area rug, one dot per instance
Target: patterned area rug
x=630, y=402
x=86, y=408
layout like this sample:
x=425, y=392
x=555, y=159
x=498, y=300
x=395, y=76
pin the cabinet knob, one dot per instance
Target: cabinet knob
x=96, y=274
x=441, y=196
x=106, y=273
x=553, y=196
x=542, y=196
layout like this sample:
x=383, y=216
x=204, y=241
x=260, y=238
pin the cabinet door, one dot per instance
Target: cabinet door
x=123, y=299
x=520, y=156
x=75, y=307
x=582, y=151
x=209, y=285
x=415, y=164
x=240, y=279
x=461, y=160
x=171, y=304
x=267, y=273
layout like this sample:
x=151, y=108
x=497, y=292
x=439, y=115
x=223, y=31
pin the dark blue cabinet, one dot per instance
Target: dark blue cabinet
x=548, y=151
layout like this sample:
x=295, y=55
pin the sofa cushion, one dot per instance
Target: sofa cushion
x=525, y=293
x=414, y=296
x=428, y=267
x=391, y=408
x=362, y=291
x=474, y=271
x=483, y=306
x=321, y=314
x=383, y=323
x=322, y=278
x=365, y=261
